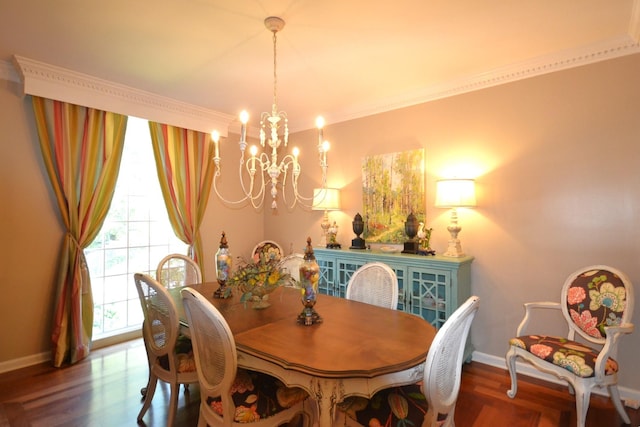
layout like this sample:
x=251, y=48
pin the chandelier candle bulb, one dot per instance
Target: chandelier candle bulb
x=244, y=118
x=325, y=148
x=215, y=135
x=320, y=125
x=253, y=150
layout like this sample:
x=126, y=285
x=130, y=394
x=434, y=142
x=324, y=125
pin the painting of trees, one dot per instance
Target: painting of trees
x=392, y=187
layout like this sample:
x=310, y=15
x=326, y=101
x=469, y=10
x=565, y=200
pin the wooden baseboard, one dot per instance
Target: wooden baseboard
x=34, y=359
x=23, y=362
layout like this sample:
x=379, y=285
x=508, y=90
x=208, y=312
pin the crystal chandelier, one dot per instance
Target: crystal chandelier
x=259, y=172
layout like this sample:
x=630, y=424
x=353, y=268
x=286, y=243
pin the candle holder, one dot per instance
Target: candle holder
x=411, y=229
x=309, y=277
x=223, y=267
x=358, y=228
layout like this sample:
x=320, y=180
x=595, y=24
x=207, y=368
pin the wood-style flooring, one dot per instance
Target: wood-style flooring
x=104, y=390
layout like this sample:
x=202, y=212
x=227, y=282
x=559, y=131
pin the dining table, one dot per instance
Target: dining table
x=356, y=350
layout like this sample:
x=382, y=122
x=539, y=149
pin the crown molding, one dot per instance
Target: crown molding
x=59, y=83
x=610, y=49
x=54, y=82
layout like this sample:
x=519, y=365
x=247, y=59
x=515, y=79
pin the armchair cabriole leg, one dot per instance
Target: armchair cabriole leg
x=583, y=394
x=511, y=364
x=617, y=402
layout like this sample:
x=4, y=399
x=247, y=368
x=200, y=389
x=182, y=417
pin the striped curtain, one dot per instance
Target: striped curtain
x=82, y=149
x=184, y=162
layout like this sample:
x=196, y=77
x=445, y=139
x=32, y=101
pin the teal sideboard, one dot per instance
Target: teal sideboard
x=429, y=286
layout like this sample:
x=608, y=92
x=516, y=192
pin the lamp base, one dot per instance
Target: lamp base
x=454, y=250
x=410, y=247
x=325, y=224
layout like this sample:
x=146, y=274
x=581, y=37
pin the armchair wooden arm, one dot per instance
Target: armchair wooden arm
x=612, y=334
x=530, y=308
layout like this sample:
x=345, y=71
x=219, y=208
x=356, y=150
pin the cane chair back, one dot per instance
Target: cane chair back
x=168, y=352
x=177, y=270
x=443, y=368
x=291, y=264
x=374, y=283
x=221, y=380
x=430, y=403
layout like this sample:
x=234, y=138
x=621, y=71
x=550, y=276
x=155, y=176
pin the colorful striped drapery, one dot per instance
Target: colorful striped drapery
x=81, y=148
x=184, y=161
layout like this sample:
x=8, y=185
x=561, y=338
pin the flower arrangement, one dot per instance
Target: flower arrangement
x=256, y=280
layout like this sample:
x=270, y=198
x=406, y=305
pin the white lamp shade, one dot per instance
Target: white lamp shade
x=454, y=193
x=326, y=199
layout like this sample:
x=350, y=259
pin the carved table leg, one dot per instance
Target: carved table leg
x=327, y=393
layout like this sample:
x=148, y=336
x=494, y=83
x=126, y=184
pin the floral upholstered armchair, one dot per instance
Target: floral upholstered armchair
x=597, y=304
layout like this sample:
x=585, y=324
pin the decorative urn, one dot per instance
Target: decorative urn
x=411, y=229
x=358, y=228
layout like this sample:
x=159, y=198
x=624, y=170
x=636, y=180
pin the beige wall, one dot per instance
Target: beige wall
x=555, y=158
x=557, y=164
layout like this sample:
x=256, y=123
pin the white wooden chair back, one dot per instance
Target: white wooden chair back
x=374, y=283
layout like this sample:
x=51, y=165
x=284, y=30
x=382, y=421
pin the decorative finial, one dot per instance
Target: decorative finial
x=308, y=251
x=223, y=241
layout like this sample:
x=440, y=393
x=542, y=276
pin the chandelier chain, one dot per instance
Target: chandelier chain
x=275, y=75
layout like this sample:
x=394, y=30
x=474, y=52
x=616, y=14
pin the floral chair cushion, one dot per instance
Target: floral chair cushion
x=258, y=396
x=596, y=299
x=396, y=406
x=183, y=355
x=571, y=355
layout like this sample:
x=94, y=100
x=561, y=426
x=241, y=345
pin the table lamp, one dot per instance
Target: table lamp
x=455, y=193
x=325, y=199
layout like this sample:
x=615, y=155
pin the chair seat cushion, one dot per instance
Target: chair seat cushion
x=183, y=355
x=570, y=355
x=395, y=406
x=257, y=396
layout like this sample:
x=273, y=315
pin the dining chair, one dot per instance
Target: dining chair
x=177, y=270
x=174, y=271
x=374, y=283
x=267, y=250
x=230, y=396
x=431, y=402
x=169, y=353
x=597, y=304
x=291, y=264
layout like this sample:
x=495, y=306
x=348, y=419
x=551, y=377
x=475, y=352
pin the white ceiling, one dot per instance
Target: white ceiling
x=339, y=58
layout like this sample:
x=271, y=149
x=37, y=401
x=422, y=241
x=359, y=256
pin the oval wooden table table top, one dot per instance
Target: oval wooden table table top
x=357, y=349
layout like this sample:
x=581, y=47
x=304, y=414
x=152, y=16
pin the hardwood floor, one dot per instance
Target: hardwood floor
x=105, y=391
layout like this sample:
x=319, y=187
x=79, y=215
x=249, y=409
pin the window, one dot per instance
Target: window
x=135, y=236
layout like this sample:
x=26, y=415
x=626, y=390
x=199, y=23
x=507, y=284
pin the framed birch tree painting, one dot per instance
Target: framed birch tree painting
x=392, y=187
